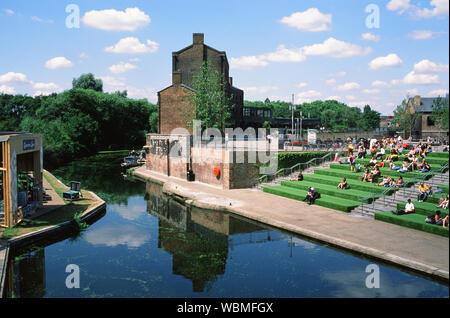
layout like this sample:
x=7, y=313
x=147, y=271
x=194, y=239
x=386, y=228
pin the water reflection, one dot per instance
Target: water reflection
x=113, y=235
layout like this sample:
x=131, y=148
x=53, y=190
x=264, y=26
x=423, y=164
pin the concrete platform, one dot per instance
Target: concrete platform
x=420, y=252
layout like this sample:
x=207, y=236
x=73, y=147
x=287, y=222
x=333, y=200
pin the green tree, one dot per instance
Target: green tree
x=88, y=81
x=405, y=117
x=370, y=119
x=211, y=103
x=440, y=113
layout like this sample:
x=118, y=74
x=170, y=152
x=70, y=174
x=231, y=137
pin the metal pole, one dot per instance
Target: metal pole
x=301, y=124
x=292, y=108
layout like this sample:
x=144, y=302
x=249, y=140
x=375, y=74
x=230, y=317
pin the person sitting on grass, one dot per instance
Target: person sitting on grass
x=404, y=167
x=392, y=165
x=343, y=185
x=372, y=161
x=424, y=166
x=409, y=208
x=391, y=183
x=399, y=182
x=445, y=222
x=428, y=150
x=375, y=175
x=312, y=196
x=361, y=152
x=373, y=151
x=366, y=175
x=435, y=219
x=299, y=176
x=381, y=164
x=379, y=155
x=423, y=192
x=384, y=182
x=443, y=203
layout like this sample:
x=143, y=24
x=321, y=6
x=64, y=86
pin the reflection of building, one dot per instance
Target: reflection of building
x=425, y=125
x=197, y=239
x=21, y=170
x=26, y=275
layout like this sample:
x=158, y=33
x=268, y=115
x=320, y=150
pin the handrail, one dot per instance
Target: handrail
x=384, y=193
x=297, y=165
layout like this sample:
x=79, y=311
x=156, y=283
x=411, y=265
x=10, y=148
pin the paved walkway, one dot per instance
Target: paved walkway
x=416, y=250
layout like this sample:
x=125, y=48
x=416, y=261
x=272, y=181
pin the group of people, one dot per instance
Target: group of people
x=432, y=219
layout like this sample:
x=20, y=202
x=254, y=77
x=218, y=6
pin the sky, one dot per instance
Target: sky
x=354, y=51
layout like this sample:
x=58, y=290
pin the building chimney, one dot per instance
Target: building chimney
x=417, y=100
x=176, y=78
x=198, y=38
x=230, y=81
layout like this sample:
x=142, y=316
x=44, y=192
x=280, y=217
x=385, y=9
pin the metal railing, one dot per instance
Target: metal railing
x=283, y=171
x=407, y=183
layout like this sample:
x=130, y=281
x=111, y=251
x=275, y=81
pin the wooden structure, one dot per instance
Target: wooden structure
x=21, y=170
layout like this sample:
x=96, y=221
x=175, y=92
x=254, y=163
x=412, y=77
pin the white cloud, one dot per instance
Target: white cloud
x=378, y=83
x=361, y=103
x=122, y=67
x=113, y=235
x=347, y=86
x=9, y=11
x=47, y=87
x=301, y=85
x=83, y=55
x=337, y=98
x=371, y=91
x=413, y=78
x=112, y=20
x=398, y=5
x=438, y=92
x=283, y=54
x=427, y=66
x=390, y=60
x=7, y=90
x=441, y=8
x=112, y=81
x=350, y=97
x=331, y=81
x=141, y=93
x=370, y=37
x=423, y=34
x=338, y=74
x=132, y=45
x=259, y=89
x=135, y=59
x=58, y=62
x=335, y=48
x=247, y=62
x=12, y=77
x=311, y=20
x=37, y=19
x=308, y=96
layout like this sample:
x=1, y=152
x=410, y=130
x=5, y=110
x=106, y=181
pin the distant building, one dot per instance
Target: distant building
x=425, y=126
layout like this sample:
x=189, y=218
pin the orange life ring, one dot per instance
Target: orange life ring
x=216, y=171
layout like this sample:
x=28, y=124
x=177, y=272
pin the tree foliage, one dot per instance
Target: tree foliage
x=332, y=114
x=405, y=118
x=440, y=112
x=88, y=81
x=211, y=103
x=80, y=122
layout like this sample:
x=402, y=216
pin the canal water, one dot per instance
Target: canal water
x=148, y=245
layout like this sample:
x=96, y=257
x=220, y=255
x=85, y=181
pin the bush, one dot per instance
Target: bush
x=289, y=159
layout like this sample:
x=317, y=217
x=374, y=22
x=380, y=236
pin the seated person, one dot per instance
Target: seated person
x=392, y=165
x=381, y=164
x=423, y=192
x=409, y=208
x=373, y=151
x=393, y=155
x=391, y=183
x=361, y=152
x=384, y=182
x=379, y=155
x=343, y=185
x=399, y=182
x=436, y=219
x=443, y=203
x=299, y=177
x=366, y=176
x=428, y=150
x=425, y=167
x=312, y=196
x=375, y=174
x=445, y=222
x=405, y=167
x=372, y=161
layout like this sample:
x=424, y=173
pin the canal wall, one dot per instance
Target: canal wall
x=419, y=252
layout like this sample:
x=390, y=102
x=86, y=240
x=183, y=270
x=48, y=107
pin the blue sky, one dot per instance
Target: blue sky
x=315, y=49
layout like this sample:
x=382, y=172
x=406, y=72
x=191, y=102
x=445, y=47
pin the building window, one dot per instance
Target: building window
x=246, y=112
x=430, y=121
x=260, y=112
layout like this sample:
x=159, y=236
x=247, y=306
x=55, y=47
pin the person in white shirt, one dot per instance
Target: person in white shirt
x=409, y=208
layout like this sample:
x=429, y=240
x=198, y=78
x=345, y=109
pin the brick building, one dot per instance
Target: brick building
x=175, y=110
